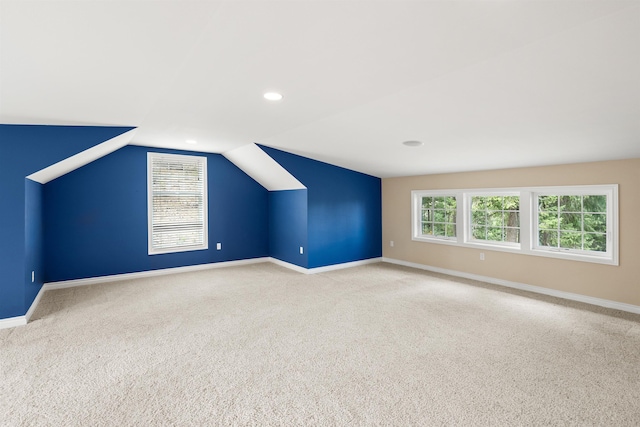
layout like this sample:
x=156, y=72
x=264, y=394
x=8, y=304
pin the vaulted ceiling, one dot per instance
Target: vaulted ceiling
x=484, y=84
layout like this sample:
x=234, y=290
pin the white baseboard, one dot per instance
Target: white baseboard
x=288, y=265
x=325, y=268
x=34, y=304
x=150, y=273
x=343, y=265
x=522, y=286
x=12, y=322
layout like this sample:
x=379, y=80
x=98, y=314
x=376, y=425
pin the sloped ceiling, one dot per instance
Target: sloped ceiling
x=484, y=84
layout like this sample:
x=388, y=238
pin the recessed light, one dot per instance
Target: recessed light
x=413, y=143
x=273, y=96
x=191, y=141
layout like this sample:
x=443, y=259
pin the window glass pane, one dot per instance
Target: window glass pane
x=548, y=203
x=479, y=217
x=450, y=202
x=571, y=221
x=427, y=228
x=595, y=242
x=571, y=203
x=496, y=213
x=450, y=216
x=548, y=238
x=478, y=233
x=427, y=202
x=548, y=220
x=512, y=203
x=581, y=223
x=570, y=240
x=512, y=235
x=495, y=234
x=595, y=204
x=511, y=219
x=478, y=203
x=450, y=230
x=438, y=216
x=595, y=223
x=494, y=218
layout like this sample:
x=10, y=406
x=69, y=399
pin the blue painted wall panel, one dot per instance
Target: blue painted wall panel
x=288, y=226
x=34, y=235
x=344, y=210
x=96, y=218
x=25, y=149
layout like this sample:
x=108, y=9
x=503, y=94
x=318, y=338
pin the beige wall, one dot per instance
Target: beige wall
x=617, y=283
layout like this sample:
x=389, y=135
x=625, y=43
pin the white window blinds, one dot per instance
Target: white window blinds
x=177, y=192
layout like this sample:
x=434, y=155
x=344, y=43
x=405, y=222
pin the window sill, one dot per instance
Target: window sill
x=522, y=251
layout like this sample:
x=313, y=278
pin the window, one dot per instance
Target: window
x=436, y=216
x=495, y=219
x=177, y=203
x=576, y=222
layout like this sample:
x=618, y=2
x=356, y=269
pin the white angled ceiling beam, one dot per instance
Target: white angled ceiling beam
x=84, y=157
x=261, y=167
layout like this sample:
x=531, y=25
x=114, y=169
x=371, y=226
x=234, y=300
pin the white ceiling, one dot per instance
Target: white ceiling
x=484, y=84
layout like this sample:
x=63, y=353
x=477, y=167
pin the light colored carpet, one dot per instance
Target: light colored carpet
x=262, y=345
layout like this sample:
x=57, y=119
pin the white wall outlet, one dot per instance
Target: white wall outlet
x=301, y=250
x=391, y=243
x=218, y=246
x=481, y=256
x=33, y=276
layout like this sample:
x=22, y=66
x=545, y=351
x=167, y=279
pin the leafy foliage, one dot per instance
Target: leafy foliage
x=495, y=218
x=573, y=222
x=439, y=216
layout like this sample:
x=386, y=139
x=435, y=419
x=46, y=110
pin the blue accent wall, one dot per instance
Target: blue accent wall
x=288, y=226
x=344, y=210
x=95, y=218
x=25, y=149
x=33, y=240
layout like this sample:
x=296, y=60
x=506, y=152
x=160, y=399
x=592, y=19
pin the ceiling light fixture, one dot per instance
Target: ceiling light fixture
x=191, y=141
x=273, y=96
x=413, y=143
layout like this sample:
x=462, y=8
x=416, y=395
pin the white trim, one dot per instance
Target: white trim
x=344, y=265
x=78, y=160
x=34, y=304
x=12, y=322
x=324, y=269
x=289, y=265
x=151, y=156
x=262, y=168
x=527, y=221
x=522, y=286
x=150, y=273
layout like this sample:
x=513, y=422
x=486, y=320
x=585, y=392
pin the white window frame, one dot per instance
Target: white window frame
x=205, y=244
x=528, y=221
x=416, y=216
x=468, y=217
x=611, y=192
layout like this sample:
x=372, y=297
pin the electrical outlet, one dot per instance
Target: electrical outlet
x=391, y=243
x=481, y=256
x=301, y=250
x=218, y=246
x=33, y=276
